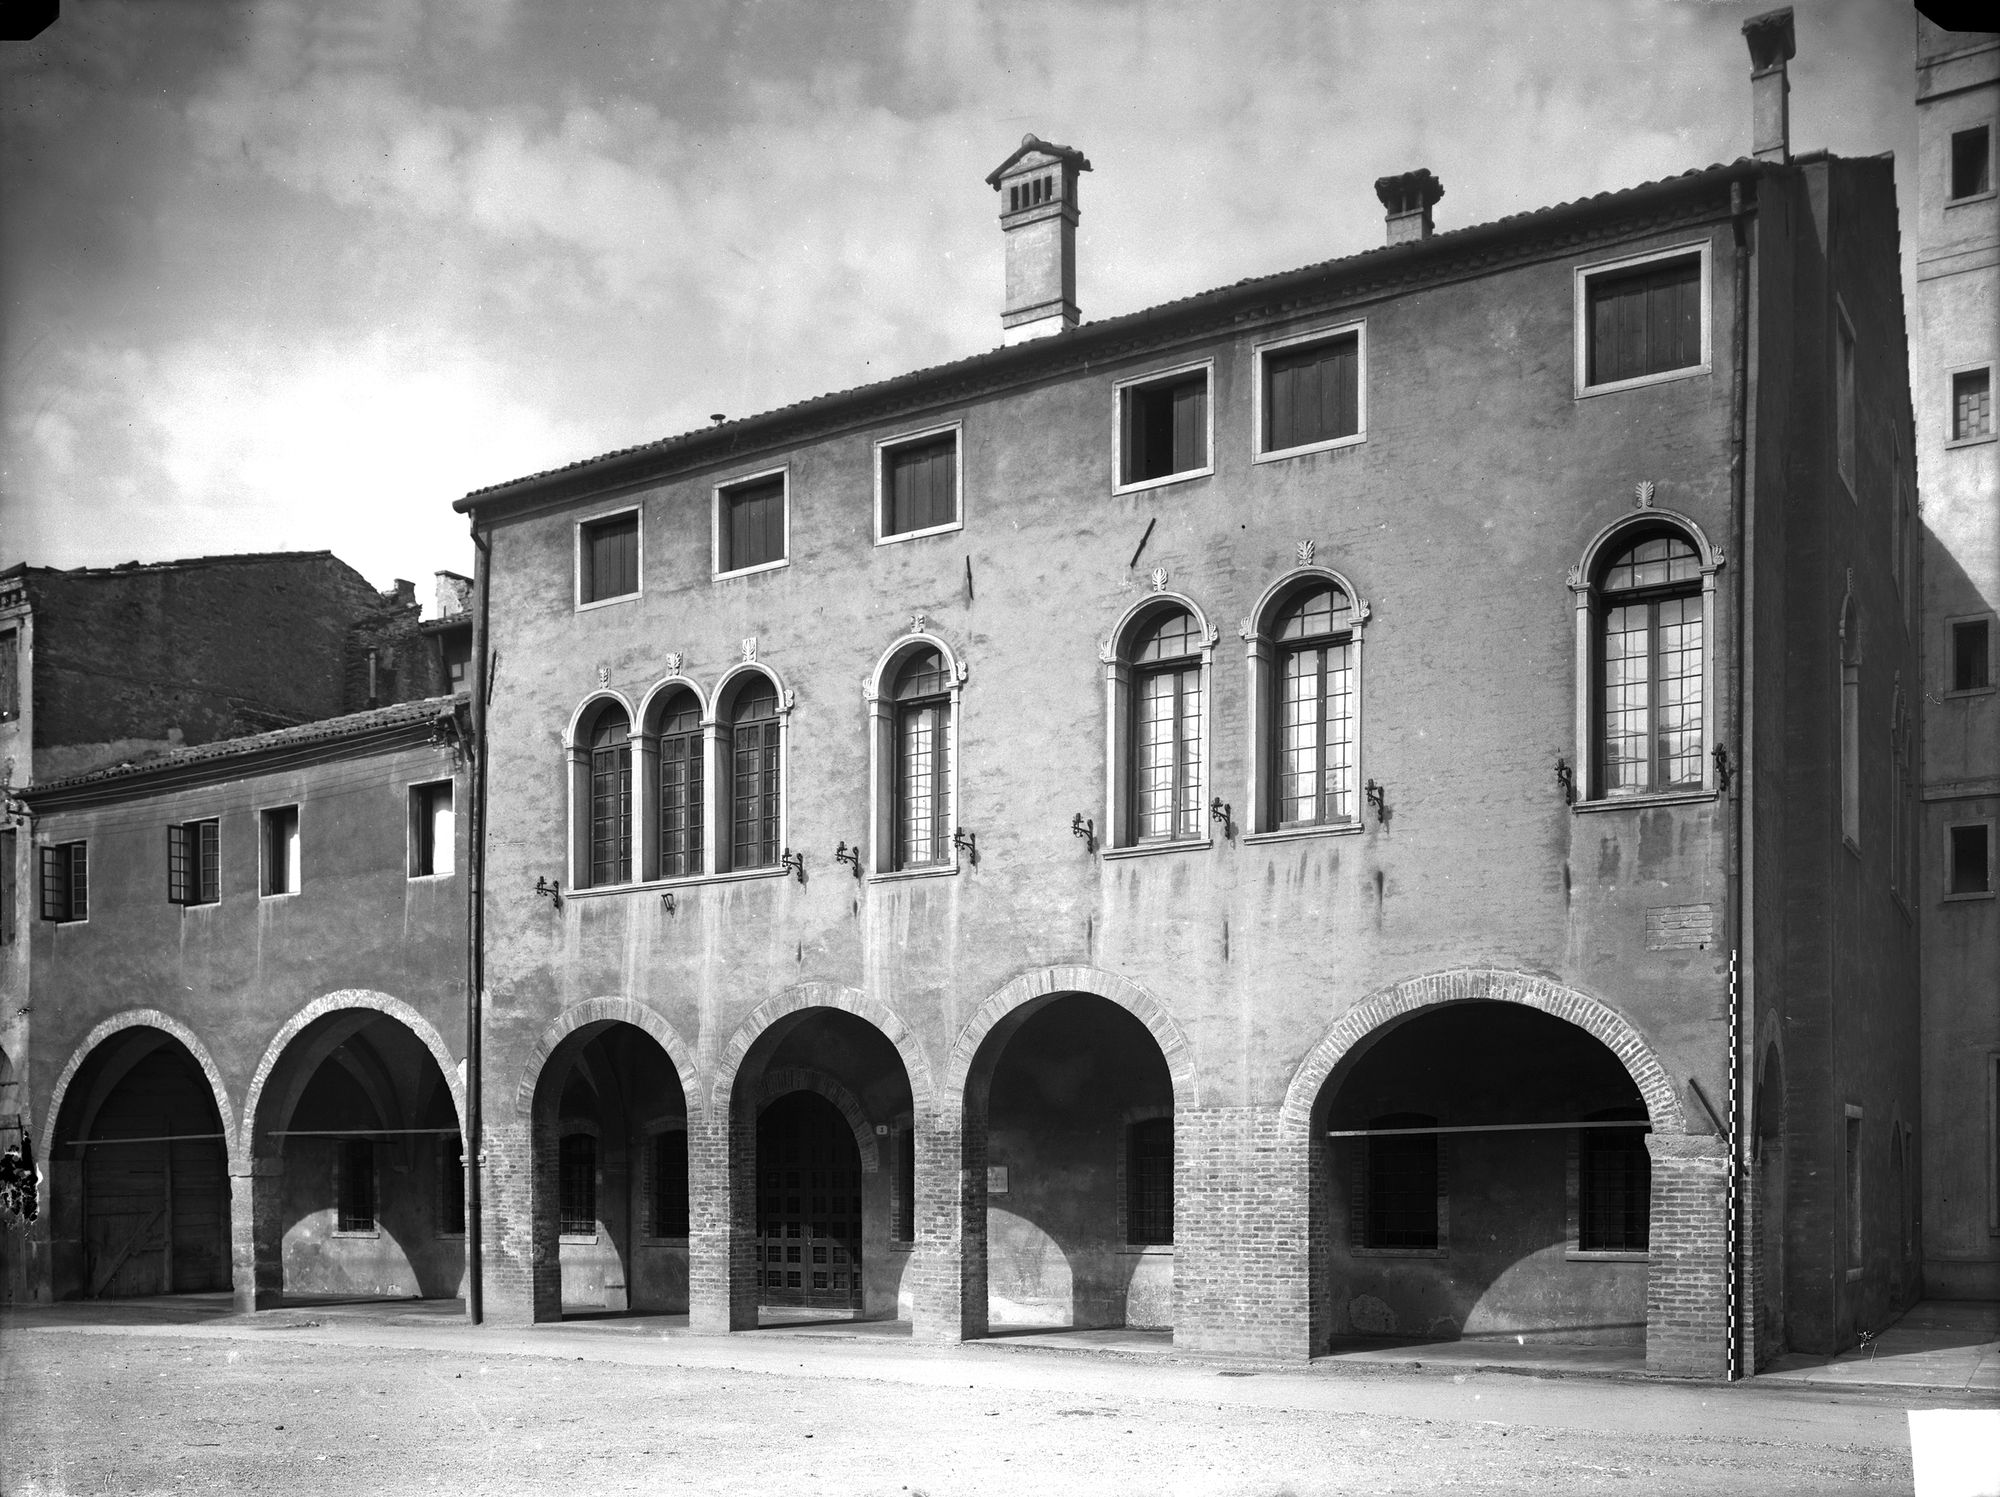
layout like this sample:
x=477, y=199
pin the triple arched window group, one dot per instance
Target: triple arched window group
x=695, y=787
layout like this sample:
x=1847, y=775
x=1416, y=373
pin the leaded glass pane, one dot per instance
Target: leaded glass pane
x=681, y=789
x=610, y=799
x=1168, y=637
x=1653, y=563
x=1167, y=754
x=755, y=775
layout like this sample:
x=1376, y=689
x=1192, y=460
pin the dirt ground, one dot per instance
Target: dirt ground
x=234, y=1408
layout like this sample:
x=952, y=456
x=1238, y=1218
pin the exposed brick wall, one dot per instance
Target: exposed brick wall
x=1685, y=1281
x=1241, y=1233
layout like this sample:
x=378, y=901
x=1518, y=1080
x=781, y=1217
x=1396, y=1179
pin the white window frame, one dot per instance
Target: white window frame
x=1580, y=317
x=414, y=799
x=1261, y=653
x=879, y=857
x=296, y=871
x=1992, y=185
x=576, y=548
x=1206, y=368
x=1992, y=889
x=1115, y=839
x=1359, y=328
x=716, y=574
x=1992, y=432
x=882, y=448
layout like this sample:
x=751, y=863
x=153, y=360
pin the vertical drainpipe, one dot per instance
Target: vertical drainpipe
x=1741, y=861
x=475, y=943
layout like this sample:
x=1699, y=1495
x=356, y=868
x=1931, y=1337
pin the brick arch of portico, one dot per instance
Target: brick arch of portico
x=1486, y=984
x=822, y=995
x=139, y=1018
x=609, y=1011
x=362, y=1000
x=1049, y=982
x=785, y=1079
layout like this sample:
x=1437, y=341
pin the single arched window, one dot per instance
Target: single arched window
x=1166, y=735
x=610, y=860
x=1650, y=638
x=1313, y=747
x=923, y=761
x=682, y=786
x=754, y=767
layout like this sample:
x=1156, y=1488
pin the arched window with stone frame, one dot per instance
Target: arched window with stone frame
x=599, y=748
x=751, y=710
x=1645, y=619
x=1303, y=648
x=1158, y=674
x=676, y=752
x=913, y=702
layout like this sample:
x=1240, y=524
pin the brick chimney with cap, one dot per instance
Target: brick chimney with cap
x=1408, y=200
x=1771, y=47
x=1037, y=187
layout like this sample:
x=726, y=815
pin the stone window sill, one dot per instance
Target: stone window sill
x=1299, y=833
x=1598, y=1255
x=1146, y=1250
x=1642, y=802
x=1153, y=849
x=1369, y=1252
x=578, y=1239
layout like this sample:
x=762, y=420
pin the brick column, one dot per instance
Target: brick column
x=722, y=1224
x=518, y=1250
x=257, y=1234
x=1686, y=1328
x=1241, y=1234
x=949, y=1267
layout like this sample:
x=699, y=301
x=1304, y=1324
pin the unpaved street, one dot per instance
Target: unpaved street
x=298, y=1408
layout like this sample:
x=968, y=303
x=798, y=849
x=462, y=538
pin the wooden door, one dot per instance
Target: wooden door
x=808, y=1205
x=156, y=1210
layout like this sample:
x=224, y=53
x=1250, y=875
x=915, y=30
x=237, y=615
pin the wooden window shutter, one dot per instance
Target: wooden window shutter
x=179, y=877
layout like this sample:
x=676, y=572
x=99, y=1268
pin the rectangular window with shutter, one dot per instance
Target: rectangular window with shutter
x=1642, y=319
x=917, y=485
x=433, y=830
x=752, y=523
x=65, y=877
x=1163, y=428
x=1309, y=393
x=193, y=871
x=607, y=558
x=10, y=674
x=280, y=836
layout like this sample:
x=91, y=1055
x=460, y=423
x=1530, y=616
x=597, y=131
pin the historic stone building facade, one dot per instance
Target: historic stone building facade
x=1346, y=804
x=1956, y=345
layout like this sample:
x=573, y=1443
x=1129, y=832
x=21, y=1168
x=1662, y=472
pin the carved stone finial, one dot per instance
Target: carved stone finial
x=790, y=700
x=1158, y=577
x=750, y=650
x=1643, y=492
x=868, y=693
x=1307, y=550
x=1244, y=629
x=1576, y=577
x=1106, y=655
x=1362, y=612
x=675, y=660
x=960, y=667
x=1214, y=633
x=919, y=622
x=604, y=675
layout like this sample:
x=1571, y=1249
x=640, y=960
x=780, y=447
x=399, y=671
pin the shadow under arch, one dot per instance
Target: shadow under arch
x=803, y=999
x=352, y=1147
x=610, y=1097
x=148, y=1018
x=602, y=1011
x=1368, y=1019
x=1014, y=1003
x=1071, y=1079
x=137, y=1141
x=1507, y=1210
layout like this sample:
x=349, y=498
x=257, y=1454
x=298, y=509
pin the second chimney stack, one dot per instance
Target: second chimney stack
x=1409, y=199
x=1771, y=46
x=1037, y=187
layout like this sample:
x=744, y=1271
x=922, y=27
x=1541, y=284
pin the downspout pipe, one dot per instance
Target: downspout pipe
x=1742, y=966
x=475, y=942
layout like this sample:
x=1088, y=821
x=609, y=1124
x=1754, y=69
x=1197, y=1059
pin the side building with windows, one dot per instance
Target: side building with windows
x=1956, y=346
x=953, y=831
x=247, y=967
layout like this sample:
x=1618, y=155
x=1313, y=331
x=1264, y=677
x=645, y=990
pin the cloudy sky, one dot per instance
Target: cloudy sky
x=298, y=274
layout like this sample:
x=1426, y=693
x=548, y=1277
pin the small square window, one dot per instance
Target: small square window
x=1643, y=320
x=66, y=882
x=751, y=524
x=432, y=829
x=280, y=828
x=1972, y=404
x=607, y=558
x=1971, y=668
x=1163, y=428
x=1971, y=162
x=193, y=863
x=1971, y=852
x=918, y=485
x=1309, y=393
